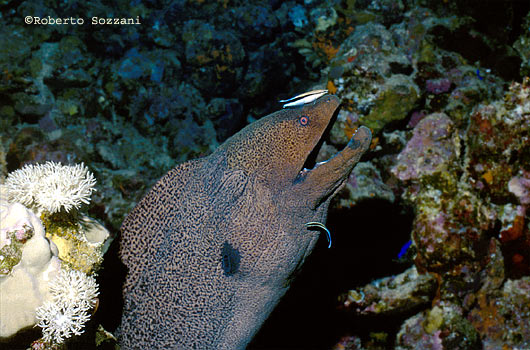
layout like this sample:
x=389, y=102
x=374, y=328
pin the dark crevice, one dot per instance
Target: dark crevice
x=364, y=247
x=400, y=68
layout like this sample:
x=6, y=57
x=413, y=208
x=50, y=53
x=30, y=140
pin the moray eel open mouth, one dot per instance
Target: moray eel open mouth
x=310, y=162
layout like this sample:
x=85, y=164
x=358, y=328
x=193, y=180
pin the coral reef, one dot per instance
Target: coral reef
x=30, y=267
x=441, y=327
x=430, y=150
x=73, y=294
x=461, y=163
x=81, y=241
x=13, y=237
x=35, y=288
x=364, y=183
x=398, y=294
x=458, y=196
x=384, y=74
x=50, y=186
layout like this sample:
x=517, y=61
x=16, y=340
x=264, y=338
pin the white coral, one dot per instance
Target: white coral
x=60, y=321
x=75, y=288
x=73, y=295
x=51, y=186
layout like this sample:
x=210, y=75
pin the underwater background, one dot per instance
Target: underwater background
x=431, y=234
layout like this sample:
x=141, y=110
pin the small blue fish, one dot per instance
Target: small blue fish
x=478, y=74
x=404, y=249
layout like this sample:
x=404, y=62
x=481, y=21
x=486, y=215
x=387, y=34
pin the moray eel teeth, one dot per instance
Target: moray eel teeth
x=302, y=99
x=323, y=227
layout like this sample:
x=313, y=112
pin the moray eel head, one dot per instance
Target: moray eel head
x=277, y=148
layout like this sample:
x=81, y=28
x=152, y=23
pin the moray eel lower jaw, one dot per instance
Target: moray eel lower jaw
x=353, y=141
x=326, y=178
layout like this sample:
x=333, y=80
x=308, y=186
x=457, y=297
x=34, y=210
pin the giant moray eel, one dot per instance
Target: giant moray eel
x=212, y=248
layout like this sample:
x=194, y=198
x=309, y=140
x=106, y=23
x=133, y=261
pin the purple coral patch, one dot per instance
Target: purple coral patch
x=428, y=151
x=438, y=86
x=520, y=187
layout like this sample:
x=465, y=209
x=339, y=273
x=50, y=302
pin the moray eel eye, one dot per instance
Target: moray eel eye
x=304, y=120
